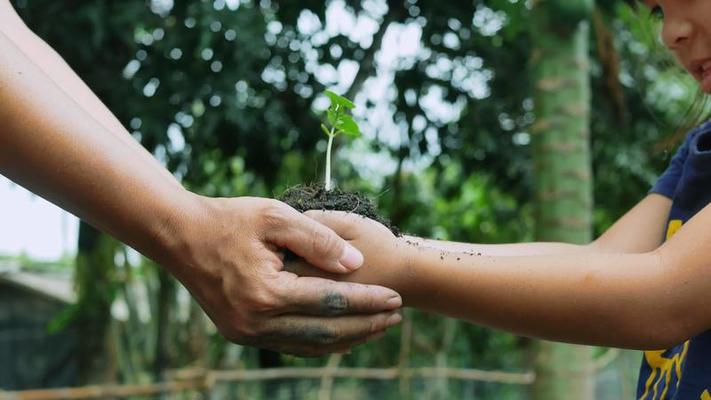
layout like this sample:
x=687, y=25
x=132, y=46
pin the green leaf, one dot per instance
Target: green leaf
x=349, y=126
x=333, y=116
x=340, y=100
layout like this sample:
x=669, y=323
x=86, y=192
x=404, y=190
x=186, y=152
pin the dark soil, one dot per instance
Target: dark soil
x=315, y=197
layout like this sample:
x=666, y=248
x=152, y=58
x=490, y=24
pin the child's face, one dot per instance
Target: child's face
x=687, y=33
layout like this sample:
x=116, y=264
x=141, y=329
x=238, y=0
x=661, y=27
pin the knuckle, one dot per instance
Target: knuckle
x=313, y=214
x=329, y=337
x=374, y=325
x=275, y=215
x=373, y=301
x=325, y=243
x=360, y=297
x=324, y=336
x=247, y=332
x=257, y=331
x=334, y=303
x=263, y=300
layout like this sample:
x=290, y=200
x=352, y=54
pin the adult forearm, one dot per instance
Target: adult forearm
x=50, y=145
x=57, y=70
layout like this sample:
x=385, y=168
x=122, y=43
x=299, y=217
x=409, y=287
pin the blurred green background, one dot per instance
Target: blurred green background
x=227, y=94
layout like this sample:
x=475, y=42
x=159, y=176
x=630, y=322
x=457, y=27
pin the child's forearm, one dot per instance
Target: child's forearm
x=602, y=299
x=588, y=298
x=512, y=249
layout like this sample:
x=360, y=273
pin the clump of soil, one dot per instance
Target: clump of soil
x=316, y=197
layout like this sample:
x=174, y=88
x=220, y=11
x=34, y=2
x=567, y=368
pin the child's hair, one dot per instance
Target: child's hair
x=698, y=113
x=699, y=110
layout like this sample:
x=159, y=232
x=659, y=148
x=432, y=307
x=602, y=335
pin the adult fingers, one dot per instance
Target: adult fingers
x=316, y=243
x=324, y=297
x=331, y=332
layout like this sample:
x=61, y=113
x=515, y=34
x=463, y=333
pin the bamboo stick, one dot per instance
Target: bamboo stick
x=405, y=348
x=202, y=381
x=326, y=390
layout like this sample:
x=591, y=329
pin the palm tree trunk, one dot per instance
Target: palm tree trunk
x=560, y=67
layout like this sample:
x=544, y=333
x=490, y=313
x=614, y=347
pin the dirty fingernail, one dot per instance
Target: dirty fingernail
x=351, y=258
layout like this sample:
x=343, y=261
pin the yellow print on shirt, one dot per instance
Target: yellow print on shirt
x=662, y=368
x=674, y=226
x=706, y=395
x=661, y=376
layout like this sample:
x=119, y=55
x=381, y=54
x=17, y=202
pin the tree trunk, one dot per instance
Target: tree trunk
x=94, y=279
x=164, y=338
x=560, y=67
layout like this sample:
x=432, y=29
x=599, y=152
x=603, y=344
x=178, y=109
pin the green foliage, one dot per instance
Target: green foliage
x=567, y=14
x=25, y=262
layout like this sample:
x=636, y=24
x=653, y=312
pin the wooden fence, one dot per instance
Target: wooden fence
x=205, y=380
x=196, y=380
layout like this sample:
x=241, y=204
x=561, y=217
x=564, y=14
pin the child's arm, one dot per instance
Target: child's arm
x=647, y=300
x=638, y=231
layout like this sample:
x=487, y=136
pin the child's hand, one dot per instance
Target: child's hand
x=385, y=255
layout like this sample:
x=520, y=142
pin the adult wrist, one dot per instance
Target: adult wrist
x=175, y=231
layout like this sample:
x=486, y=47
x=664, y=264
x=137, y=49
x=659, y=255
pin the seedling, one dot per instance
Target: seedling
x=340, y=121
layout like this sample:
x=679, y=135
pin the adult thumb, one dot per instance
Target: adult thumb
x=316, y=243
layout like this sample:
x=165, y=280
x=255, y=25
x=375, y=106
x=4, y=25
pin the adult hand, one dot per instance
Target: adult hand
x=228, y=256
x=386, y=256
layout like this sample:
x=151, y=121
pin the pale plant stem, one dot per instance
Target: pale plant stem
x=328, y=159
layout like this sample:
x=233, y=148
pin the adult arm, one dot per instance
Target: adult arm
x=55, y=68
x=225, y=251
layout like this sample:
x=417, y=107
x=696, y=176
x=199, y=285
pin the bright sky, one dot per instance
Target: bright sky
x=31, y=225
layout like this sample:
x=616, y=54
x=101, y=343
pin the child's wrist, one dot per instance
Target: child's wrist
x=406, y=270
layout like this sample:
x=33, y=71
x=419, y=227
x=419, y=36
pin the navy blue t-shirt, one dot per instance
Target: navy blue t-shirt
x=683, y=372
